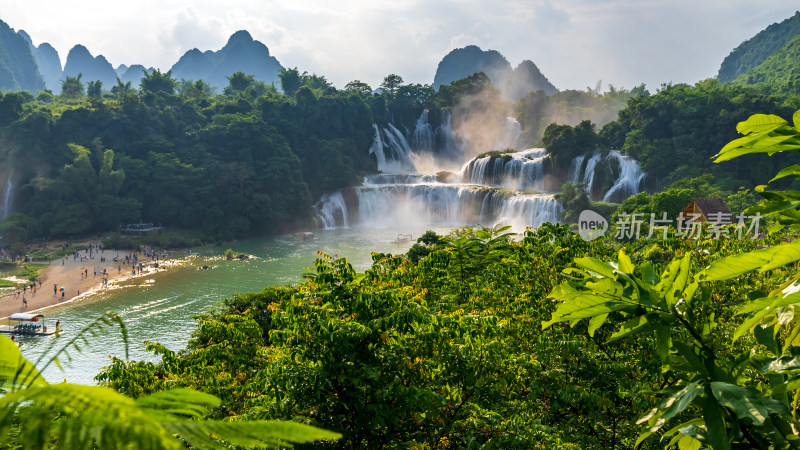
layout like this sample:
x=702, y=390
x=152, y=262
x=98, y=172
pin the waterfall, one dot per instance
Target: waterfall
x=518, y=170
x=437, y=204
x=628, y=180
x=392, y=140
x=7, y=198
x=399, y=178
x=575, y=168
x=423, y=138
x=588, y=174
x=332, y=210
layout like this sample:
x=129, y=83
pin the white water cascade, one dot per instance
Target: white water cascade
x=399, y=197
x=435, y=204
x=588, y=176
x=391, y=150
x=518, y=170
x=627, y=181
x=500, y=187
x=625, y=172
x=5, y=209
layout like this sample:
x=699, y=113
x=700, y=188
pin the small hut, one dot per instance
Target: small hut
x=708, y=209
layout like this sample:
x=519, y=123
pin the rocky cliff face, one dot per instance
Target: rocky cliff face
x=241, y=54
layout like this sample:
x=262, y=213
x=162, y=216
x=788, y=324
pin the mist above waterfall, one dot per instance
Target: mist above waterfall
x=483, y=126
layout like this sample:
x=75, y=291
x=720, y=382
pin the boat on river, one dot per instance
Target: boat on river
x=403, y=238
x=27, y=324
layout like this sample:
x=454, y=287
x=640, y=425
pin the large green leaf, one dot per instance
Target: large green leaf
x=597, y=266
x=713, y=416
x=582, y=304
x=786, y=172
x=178, y=403
x=15, y=370
x=763, y=260
x=672, y=406
x=746, y=402
x=768, y=144
x=759, y=123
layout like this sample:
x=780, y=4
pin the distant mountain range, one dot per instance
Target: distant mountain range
x=772, y=56
x=515, y=84
x=24, y=66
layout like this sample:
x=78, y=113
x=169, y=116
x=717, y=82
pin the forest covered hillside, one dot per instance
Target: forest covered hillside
x=754, y=51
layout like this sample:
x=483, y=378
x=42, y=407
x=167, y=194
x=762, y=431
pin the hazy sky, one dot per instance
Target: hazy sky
x=574, y=43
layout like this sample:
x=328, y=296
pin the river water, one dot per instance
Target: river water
x=160, y=308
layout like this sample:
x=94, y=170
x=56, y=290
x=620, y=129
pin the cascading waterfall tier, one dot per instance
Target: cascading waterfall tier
x=625, y=172
x=517, y=170
x=435, y=204
x=391, y=150
x=628, y=179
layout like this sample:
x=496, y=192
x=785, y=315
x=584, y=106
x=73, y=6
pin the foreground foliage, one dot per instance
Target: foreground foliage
x=444, y=353
x=35, y=414
x=722, y=393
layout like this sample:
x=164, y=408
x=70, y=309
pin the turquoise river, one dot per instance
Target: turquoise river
x=161, y=307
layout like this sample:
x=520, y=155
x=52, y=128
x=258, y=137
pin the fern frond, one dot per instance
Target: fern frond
x=250, y=434
x=16, y=371
x=93, y=329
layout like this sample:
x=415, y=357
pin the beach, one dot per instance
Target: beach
x=79, y=277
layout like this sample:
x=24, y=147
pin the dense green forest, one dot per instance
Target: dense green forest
x=674, y=133
x=170, y=153
x=247, y=161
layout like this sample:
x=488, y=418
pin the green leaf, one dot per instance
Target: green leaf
x=674, y=291
x=759, y=123
x=771, y=144
x=635, y=325
x=249, y=434
x=745, y=402
x=788, y=386
x=688, y=352
x=15, y=370
x=582, y=304
x=763, y=259
x=787, y=171
x=625, y=264
x=715, y=423
x=647, y=273
x=662, y=342
x=596, y=266
x=779, y=365
x=672, y=406
x=595, y=323
x=179, y=403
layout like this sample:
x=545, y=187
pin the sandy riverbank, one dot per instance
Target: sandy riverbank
x=79, y=278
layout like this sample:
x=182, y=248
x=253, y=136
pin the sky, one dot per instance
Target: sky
x=575, y=43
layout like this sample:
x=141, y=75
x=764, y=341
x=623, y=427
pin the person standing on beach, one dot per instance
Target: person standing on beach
x=24, y=302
